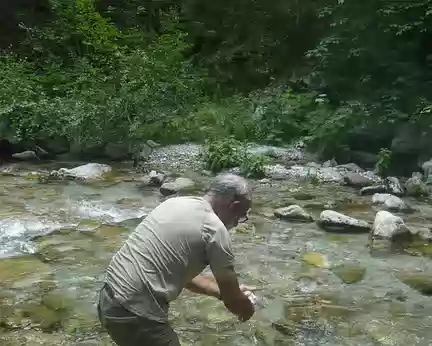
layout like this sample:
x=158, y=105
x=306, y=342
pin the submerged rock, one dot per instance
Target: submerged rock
x=89, y=171
x=415, y=187
x=23, y=271
x=349, y=273
x=294, y=213
x=389, y=202
x=333, y=221
x=420, y=282
x=316, y=259
x=180, y=184
x=389, y=226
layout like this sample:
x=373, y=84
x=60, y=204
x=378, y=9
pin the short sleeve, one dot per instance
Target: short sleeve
x=218, y=246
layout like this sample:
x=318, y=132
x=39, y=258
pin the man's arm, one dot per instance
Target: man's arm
x=221, y=260
x=232, y=294
x=204, y=284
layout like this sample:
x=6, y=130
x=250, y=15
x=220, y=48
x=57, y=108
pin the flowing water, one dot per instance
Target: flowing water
x=57, y=238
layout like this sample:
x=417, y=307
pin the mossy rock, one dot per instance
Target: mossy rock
x=65, y=246
x=88, y=225
x=349, y=273
x=57, y=301
x=316, y=259
x=23, y=271
x=420, y=248
x=43, y=318
x=111, y=238
x=32, y=338
x=83, y=323
x=420, y=282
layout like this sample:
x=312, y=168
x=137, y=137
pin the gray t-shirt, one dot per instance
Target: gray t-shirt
x=171, y=246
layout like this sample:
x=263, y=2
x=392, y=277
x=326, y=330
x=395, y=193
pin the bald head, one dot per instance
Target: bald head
x=230, y=197
x=230, y=186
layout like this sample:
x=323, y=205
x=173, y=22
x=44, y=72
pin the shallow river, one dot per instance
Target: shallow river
x=56, y=240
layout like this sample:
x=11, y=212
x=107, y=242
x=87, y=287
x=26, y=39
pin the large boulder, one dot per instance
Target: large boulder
x=389, y=226
x=118, y=151
x=333, y=221
x=89, y=171
x=357, y=180
x=394, y=186
x=390, y=202
x=176, y=186
x=415, y=187
x=293, y=213
x=427, y=169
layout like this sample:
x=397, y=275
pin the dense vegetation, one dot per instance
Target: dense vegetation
x=92, y=72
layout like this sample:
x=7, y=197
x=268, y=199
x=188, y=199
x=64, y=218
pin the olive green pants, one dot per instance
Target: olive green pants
x=128, y=329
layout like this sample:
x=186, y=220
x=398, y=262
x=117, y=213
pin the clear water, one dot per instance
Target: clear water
x=298, y=303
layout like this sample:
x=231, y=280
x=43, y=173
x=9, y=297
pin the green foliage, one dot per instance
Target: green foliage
x=383, y=163
x=252, y=166
x=97, y=72
x=228, y=153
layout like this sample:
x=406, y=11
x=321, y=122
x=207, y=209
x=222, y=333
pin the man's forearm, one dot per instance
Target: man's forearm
x=204, y=284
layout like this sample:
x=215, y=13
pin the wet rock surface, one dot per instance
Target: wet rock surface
x=333, y=221
x=316, y=287
x=294, y=213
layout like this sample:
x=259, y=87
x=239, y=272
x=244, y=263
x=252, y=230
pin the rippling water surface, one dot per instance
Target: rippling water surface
x=57, y=238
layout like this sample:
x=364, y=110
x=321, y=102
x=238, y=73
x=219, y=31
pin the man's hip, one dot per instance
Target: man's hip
x=128, y=329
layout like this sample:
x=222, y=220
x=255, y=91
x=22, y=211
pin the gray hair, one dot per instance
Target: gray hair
x=230, y=186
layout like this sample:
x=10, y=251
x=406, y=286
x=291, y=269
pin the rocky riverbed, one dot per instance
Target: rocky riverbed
x=340, y=257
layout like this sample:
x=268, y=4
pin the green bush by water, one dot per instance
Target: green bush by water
x=222, y=154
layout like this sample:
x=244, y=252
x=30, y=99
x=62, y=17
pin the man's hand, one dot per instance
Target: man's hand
x=234, y=297
x=245, y=288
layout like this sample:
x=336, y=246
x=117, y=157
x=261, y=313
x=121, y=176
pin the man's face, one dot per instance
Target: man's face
x=238, y=212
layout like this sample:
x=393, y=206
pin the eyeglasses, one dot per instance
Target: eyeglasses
x=244, y=218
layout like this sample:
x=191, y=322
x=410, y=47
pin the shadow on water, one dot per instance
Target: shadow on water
x=316, y=288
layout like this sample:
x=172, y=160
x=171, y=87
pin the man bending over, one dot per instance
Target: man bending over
x=166, y=253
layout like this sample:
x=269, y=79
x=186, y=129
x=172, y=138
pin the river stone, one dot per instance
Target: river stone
x=349, y=273
x=316, y=259
x=89, y=171
x=329, y=163
x=320, y=175
x=350, y=167
x=390, y=202
x=28, y=155
x=180, y=184
x=427, y=169
x=23, y=271
x=415, y=187
x=371, y=190
x=33, y=338
x=154, y=178
x=66, y=246
x=333, y=221
x=357, y=180
x=388, y=226
x=420, y=282
x=394, y=186
x=117, y=151
x=293, y=212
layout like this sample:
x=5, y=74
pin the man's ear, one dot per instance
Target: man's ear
x=234, y=205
